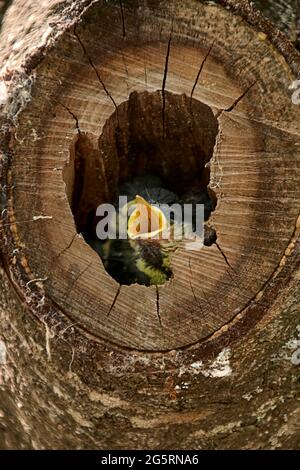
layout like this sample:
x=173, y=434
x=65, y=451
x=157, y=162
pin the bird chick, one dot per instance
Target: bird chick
x=145, y=256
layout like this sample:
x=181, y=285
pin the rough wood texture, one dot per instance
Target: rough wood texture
x=227, y=321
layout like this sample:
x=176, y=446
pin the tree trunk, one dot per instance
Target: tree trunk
x=208, y=360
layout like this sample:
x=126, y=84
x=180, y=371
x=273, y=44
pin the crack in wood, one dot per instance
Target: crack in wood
x=96, y=71
x=62, y=252
x=72, y=115
x=239, y=99
x=76, y=279
x=241, y=284
x=165, y=82
x=193, y=290
x=115, y=300
x=236, y=102
x=123, y=18
x=206, y=299
x=223, y=254
x=200, y=70
x=158, y=309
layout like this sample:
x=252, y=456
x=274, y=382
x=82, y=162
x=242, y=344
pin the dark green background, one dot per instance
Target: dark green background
x=285, y=14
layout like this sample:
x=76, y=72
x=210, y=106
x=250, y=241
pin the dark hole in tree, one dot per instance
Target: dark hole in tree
x=152, y=147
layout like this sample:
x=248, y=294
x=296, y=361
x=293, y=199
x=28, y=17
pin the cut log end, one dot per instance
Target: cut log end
x=198, y=95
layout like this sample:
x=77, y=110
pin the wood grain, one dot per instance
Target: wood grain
x=132, y=351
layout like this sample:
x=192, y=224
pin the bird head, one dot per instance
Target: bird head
x=146, y=221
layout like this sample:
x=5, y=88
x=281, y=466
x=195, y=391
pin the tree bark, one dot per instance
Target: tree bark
x=208, y=361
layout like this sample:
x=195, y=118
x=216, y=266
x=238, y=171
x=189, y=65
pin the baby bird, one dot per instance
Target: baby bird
x=145, y=256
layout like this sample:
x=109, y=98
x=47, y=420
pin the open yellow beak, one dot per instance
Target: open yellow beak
x=146, y=221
